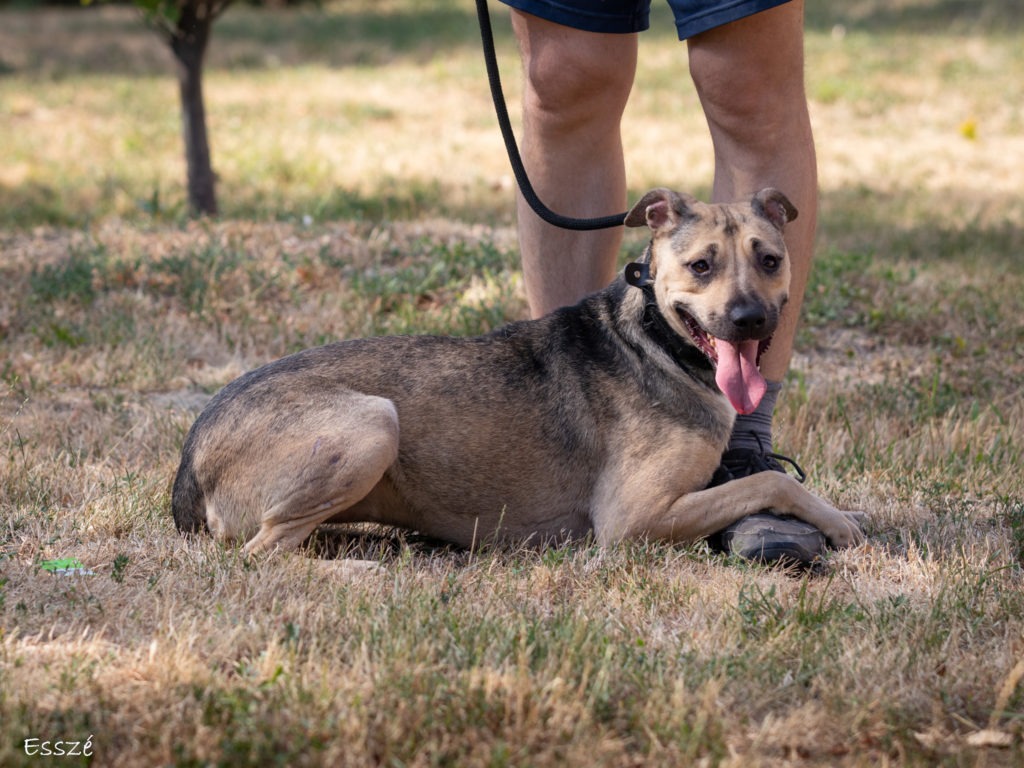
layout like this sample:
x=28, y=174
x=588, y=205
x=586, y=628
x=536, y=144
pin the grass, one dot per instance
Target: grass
x=119, y=318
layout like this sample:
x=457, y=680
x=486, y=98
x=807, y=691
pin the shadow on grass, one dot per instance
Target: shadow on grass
x=958, y=226
x=920, y=16
x=857, y=218
x=378, y=543
x=36, y=204
x=102, y=40
x=115, y=41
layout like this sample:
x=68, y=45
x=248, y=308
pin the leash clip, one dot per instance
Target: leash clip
x=638, y=274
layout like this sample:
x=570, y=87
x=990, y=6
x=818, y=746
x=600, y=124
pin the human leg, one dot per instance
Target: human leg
x=750, y=78
x=749, y=75
x=576, y=87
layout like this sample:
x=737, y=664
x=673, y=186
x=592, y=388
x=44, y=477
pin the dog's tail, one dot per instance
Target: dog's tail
x=188, y=503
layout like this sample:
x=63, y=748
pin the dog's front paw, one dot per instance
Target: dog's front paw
x=847, y=530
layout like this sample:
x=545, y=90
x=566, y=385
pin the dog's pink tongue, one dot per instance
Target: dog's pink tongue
x=737, y=375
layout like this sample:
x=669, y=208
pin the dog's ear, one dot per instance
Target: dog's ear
x=660, y=208
x=771, y=204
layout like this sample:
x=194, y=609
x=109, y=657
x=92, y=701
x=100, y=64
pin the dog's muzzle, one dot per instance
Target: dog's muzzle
x=738, y=357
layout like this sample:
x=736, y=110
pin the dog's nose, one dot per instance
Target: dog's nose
x=748, y=316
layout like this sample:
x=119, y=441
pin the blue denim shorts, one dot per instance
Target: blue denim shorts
x=692, y=16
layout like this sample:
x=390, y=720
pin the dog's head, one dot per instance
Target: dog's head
x=720, y=275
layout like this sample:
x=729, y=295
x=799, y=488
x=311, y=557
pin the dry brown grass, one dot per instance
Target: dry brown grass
x=118, y=319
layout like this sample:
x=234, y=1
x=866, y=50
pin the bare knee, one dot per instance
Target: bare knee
x=573, y=79
x=750, y=79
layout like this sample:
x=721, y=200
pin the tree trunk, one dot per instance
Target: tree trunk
x=189, y=47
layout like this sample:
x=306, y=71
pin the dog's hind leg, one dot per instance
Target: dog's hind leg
x=344, y=454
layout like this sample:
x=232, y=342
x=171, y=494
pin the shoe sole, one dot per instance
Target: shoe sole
x=778, y=554
x=769, y=546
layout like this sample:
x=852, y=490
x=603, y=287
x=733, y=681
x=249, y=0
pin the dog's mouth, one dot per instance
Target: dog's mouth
x=736, y=364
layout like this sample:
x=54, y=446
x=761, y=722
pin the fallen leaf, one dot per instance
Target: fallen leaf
x=989, y=737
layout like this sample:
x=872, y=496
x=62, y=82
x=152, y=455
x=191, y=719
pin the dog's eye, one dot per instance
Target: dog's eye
x=770, y=262
x=700, y=267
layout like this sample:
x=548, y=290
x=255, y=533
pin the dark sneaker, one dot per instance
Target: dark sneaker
x=742, y=462
x=765, y=537
x=770, y=539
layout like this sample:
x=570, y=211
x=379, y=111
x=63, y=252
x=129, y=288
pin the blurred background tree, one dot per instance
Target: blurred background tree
x=185, y=26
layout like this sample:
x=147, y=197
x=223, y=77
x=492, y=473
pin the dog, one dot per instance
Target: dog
x=605, y=419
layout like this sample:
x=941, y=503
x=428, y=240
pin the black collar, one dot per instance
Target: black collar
x=684, y=354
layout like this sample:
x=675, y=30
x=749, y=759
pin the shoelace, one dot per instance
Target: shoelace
x=742, y=462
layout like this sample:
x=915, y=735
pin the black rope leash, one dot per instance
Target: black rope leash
x=500, y=108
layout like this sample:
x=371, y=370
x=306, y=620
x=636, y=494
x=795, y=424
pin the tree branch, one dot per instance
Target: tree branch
x=219, y=7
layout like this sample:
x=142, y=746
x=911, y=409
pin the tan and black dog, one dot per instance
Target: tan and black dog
x=606, y=418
